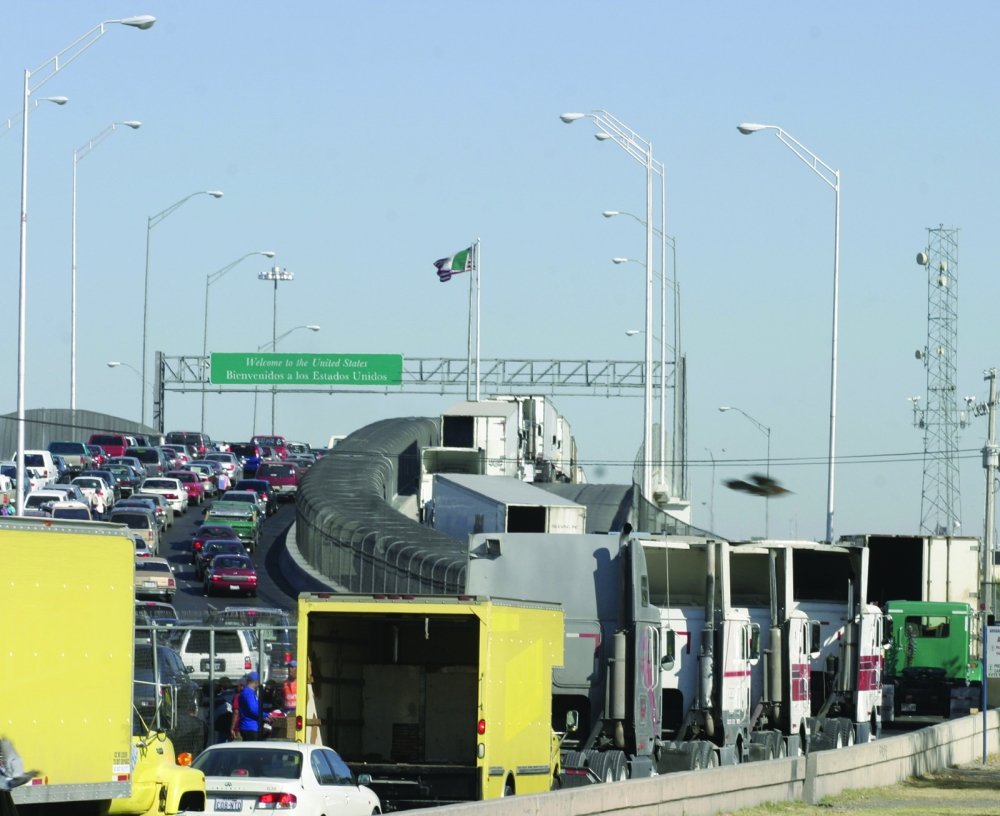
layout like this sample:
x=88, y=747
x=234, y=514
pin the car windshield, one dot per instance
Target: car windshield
x=114, y=441
x=279, y=470
x=75, y=448
x=71, y=513
x=216, y=531
x=231, y=562
x=228, y=546
x=159, y=484
x=87, y=481
x=35, y=500
x=145, y=454
x=269, y=763
x=134, y=521
x=146, y=565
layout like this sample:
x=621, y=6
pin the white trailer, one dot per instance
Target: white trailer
x=491, y=426
x=465, y=504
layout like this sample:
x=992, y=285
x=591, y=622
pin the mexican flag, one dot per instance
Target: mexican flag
x=461, y=261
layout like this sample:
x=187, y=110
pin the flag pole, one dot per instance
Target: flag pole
x=478, y=281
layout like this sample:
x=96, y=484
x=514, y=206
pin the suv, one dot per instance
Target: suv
x=201, y=443
x=272, y=627
x=282, y=476
x=152, y=459
x=114, y=444
x=235, y=653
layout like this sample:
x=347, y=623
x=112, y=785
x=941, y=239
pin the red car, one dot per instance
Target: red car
x=207, y=532
x=276, y=443
x=191, y=482
x=113, y=444
x=283, y=478
x=231, y=574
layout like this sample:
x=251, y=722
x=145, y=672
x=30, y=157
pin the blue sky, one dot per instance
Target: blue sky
x=363, y=140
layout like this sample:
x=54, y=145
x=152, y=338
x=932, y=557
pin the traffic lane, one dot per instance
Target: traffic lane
x=273, y=590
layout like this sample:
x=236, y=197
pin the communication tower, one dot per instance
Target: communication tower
x=940, y=419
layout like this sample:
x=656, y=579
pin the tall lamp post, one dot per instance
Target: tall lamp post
x=275, y=274
x=151, y=222
x=760, y=426
x=78, y=154
x=270, y=344
x=665, y=240
x=831, y=178
x=211, y=278
x=608, y=127
x=42, y=74
x=138, y=373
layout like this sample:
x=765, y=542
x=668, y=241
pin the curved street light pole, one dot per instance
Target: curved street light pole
x=764, y=429
x=642, y=151
x=78, y=154
x=42, y=74
x=831, y=177
x=211, y=278
x=151, y=222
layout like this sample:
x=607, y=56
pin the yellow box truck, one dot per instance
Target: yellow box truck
x=66, y=674
x=438, y=699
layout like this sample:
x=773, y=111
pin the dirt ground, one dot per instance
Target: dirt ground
x=969, y=790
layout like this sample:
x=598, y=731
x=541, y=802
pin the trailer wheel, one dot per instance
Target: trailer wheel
x=619, y=766
x=782, y=751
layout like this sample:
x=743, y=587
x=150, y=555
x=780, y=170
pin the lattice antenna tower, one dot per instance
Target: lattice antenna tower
x=940, y=418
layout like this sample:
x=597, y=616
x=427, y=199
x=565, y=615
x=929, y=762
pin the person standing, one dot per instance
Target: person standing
x=290, y=689
x=250, y=719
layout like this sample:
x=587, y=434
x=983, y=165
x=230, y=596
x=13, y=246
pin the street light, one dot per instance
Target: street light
x=8, y=126
x=151, y=222
x=767, y=432
x=78, y=154
x=211, y=278
x=43, y=73
x=136, y=371
x=271, y=344
x=664, y=240
x=831, y=178
x=276, y=273
x=642, y=151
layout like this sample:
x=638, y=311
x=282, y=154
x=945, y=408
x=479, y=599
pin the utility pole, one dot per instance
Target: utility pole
x=990, y=457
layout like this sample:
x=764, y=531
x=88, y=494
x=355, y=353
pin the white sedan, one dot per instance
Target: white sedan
x=171, y=489
x=244, y=777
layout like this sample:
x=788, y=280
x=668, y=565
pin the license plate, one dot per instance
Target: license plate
x=234, y=587
x=229, y=804
x=149, y=583
x=908, y=708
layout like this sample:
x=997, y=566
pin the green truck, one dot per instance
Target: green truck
x=933, y=662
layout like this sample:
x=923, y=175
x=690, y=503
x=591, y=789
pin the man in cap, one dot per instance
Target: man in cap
x=250, y=719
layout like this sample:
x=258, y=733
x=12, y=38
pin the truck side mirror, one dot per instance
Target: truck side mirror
x=815, y=639
x=572, y=720
x=754, y=642
x=669, y=650
x=887, y=632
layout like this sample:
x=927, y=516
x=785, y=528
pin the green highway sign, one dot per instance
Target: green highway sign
x=307, y=369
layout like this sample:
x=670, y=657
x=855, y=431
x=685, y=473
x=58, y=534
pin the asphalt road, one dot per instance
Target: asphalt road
x=273, y=591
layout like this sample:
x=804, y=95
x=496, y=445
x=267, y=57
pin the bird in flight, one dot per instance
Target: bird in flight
x=758, y=485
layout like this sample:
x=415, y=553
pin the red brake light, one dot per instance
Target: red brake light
x=298, y=723
x=481, y=727
x=197, y=545
x=246, y=663
x=276, y=801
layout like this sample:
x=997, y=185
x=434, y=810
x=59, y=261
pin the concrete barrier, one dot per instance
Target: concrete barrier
x=808, y=779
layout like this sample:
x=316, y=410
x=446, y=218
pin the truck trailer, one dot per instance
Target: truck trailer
x=439, y=699
x=606, y=695
x=464, y=505
x=66, y=675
